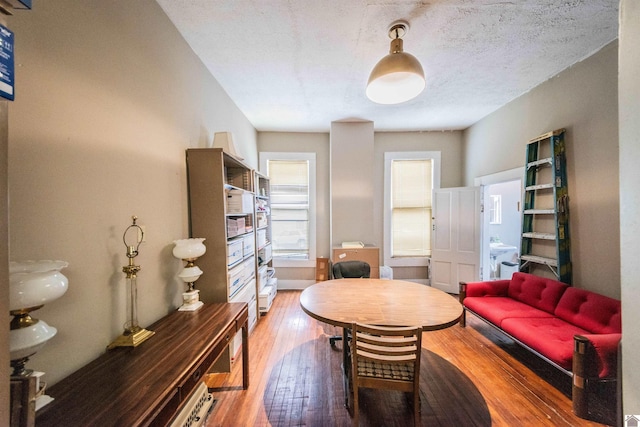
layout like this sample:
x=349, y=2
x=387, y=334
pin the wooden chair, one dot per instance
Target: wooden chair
x=386, y=358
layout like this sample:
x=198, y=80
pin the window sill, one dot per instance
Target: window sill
x=408, y=262
x=293, y=263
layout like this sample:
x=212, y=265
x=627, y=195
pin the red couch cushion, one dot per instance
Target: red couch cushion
x=538, y=292
x=496, y=309
x=593, y=312
x=551, y=337
x=495, y=288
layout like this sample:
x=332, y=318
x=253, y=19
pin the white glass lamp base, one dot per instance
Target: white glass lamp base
x=41, y=399
x=191, y=301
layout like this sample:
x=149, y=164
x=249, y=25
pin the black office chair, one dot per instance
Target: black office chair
x=349, y=270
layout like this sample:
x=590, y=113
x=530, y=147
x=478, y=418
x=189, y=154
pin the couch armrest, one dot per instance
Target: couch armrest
x=595, y=357
x=494, y=288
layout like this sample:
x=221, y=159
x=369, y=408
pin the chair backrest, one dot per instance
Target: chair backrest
x=385, y=358
x=351, y=269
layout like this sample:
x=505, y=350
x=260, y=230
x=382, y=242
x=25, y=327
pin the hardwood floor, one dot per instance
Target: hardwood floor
x=470, y=376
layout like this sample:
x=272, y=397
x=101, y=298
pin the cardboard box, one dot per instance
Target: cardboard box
x=239, y=201
x=322, y=269
x=248, y=245
x=234, y=252
x=235, y=226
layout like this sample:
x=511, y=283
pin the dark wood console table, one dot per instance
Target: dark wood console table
x=148, y=384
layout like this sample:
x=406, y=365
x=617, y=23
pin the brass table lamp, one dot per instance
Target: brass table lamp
x=133, y=334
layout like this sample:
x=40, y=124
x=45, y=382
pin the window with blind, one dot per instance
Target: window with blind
x=410, y=178
x=411, y=208
x=291, y=178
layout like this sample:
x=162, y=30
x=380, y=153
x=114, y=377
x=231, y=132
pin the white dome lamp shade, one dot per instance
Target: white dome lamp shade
x=398, y=77
x=31, y=285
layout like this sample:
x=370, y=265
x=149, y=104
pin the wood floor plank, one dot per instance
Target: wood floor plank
x=470, y=376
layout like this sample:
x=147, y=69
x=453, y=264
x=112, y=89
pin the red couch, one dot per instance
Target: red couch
x=576, y=330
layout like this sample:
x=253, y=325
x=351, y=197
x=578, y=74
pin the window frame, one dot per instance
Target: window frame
x=264, y=157
x=435, y=156
x=495, y=209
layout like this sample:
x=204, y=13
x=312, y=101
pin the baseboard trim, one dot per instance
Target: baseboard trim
x=294, y=284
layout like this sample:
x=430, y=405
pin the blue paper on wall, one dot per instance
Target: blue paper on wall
x=19, y=4
x=7, y=70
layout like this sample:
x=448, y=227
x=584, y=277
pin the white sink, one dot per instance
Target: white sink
x=496, y=249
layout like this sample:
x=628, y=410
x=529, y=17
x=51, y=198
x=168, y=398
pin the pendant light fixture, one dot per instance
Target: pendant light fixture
x=398, y=77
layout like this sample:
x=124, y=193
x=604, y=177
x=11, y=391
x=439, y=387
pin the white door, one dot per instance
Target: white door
x=455, y=255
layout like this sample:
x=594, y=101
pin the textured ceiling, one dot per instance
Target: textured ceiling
x=298, y=65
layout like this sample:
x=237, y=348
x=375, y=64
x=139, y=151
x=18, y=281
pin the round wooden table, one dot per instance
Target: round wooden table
x=380, y=302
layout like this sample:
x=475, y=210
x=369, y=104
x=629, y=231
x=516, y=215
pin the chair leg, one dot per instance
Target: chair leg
x=416, y=409
x=355, y=421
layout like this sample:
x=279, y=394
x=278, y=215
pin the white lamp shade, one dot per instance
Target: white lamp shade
x=395, y=88
x=25, y=342
x=189, y=248
x=190, y=274
x=35, y=283
x=224, y=140
x=398, y=77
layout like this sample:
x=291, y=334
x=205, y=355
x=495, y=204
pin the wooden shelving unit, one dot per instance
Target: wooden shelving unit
x=222, y=210
x=267, y=288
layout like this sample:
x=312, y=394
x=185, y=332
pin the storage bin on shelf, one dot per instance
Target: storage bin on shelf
x=234, y=251
x=262, y=219
x=239, y=201
x=266, y=297
x=263, y=276
x=265, y=254
x=262, y=238
x=248, y=245
x=235, y=226
x=268, y=291
x=248, y=295
x=240, y=275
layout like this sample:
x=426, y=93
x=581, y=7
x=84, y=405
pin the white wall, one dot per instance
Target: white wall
x=108, y=97
x=629, y=93
x=352, y=184
x=583, y=99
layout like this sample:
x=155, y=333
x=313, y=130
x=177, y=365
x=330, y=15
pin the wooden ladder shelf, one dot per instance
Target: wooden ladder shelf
x=545, y=215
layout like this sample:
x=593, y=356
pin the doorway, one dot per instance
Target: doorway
x=501, y=223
